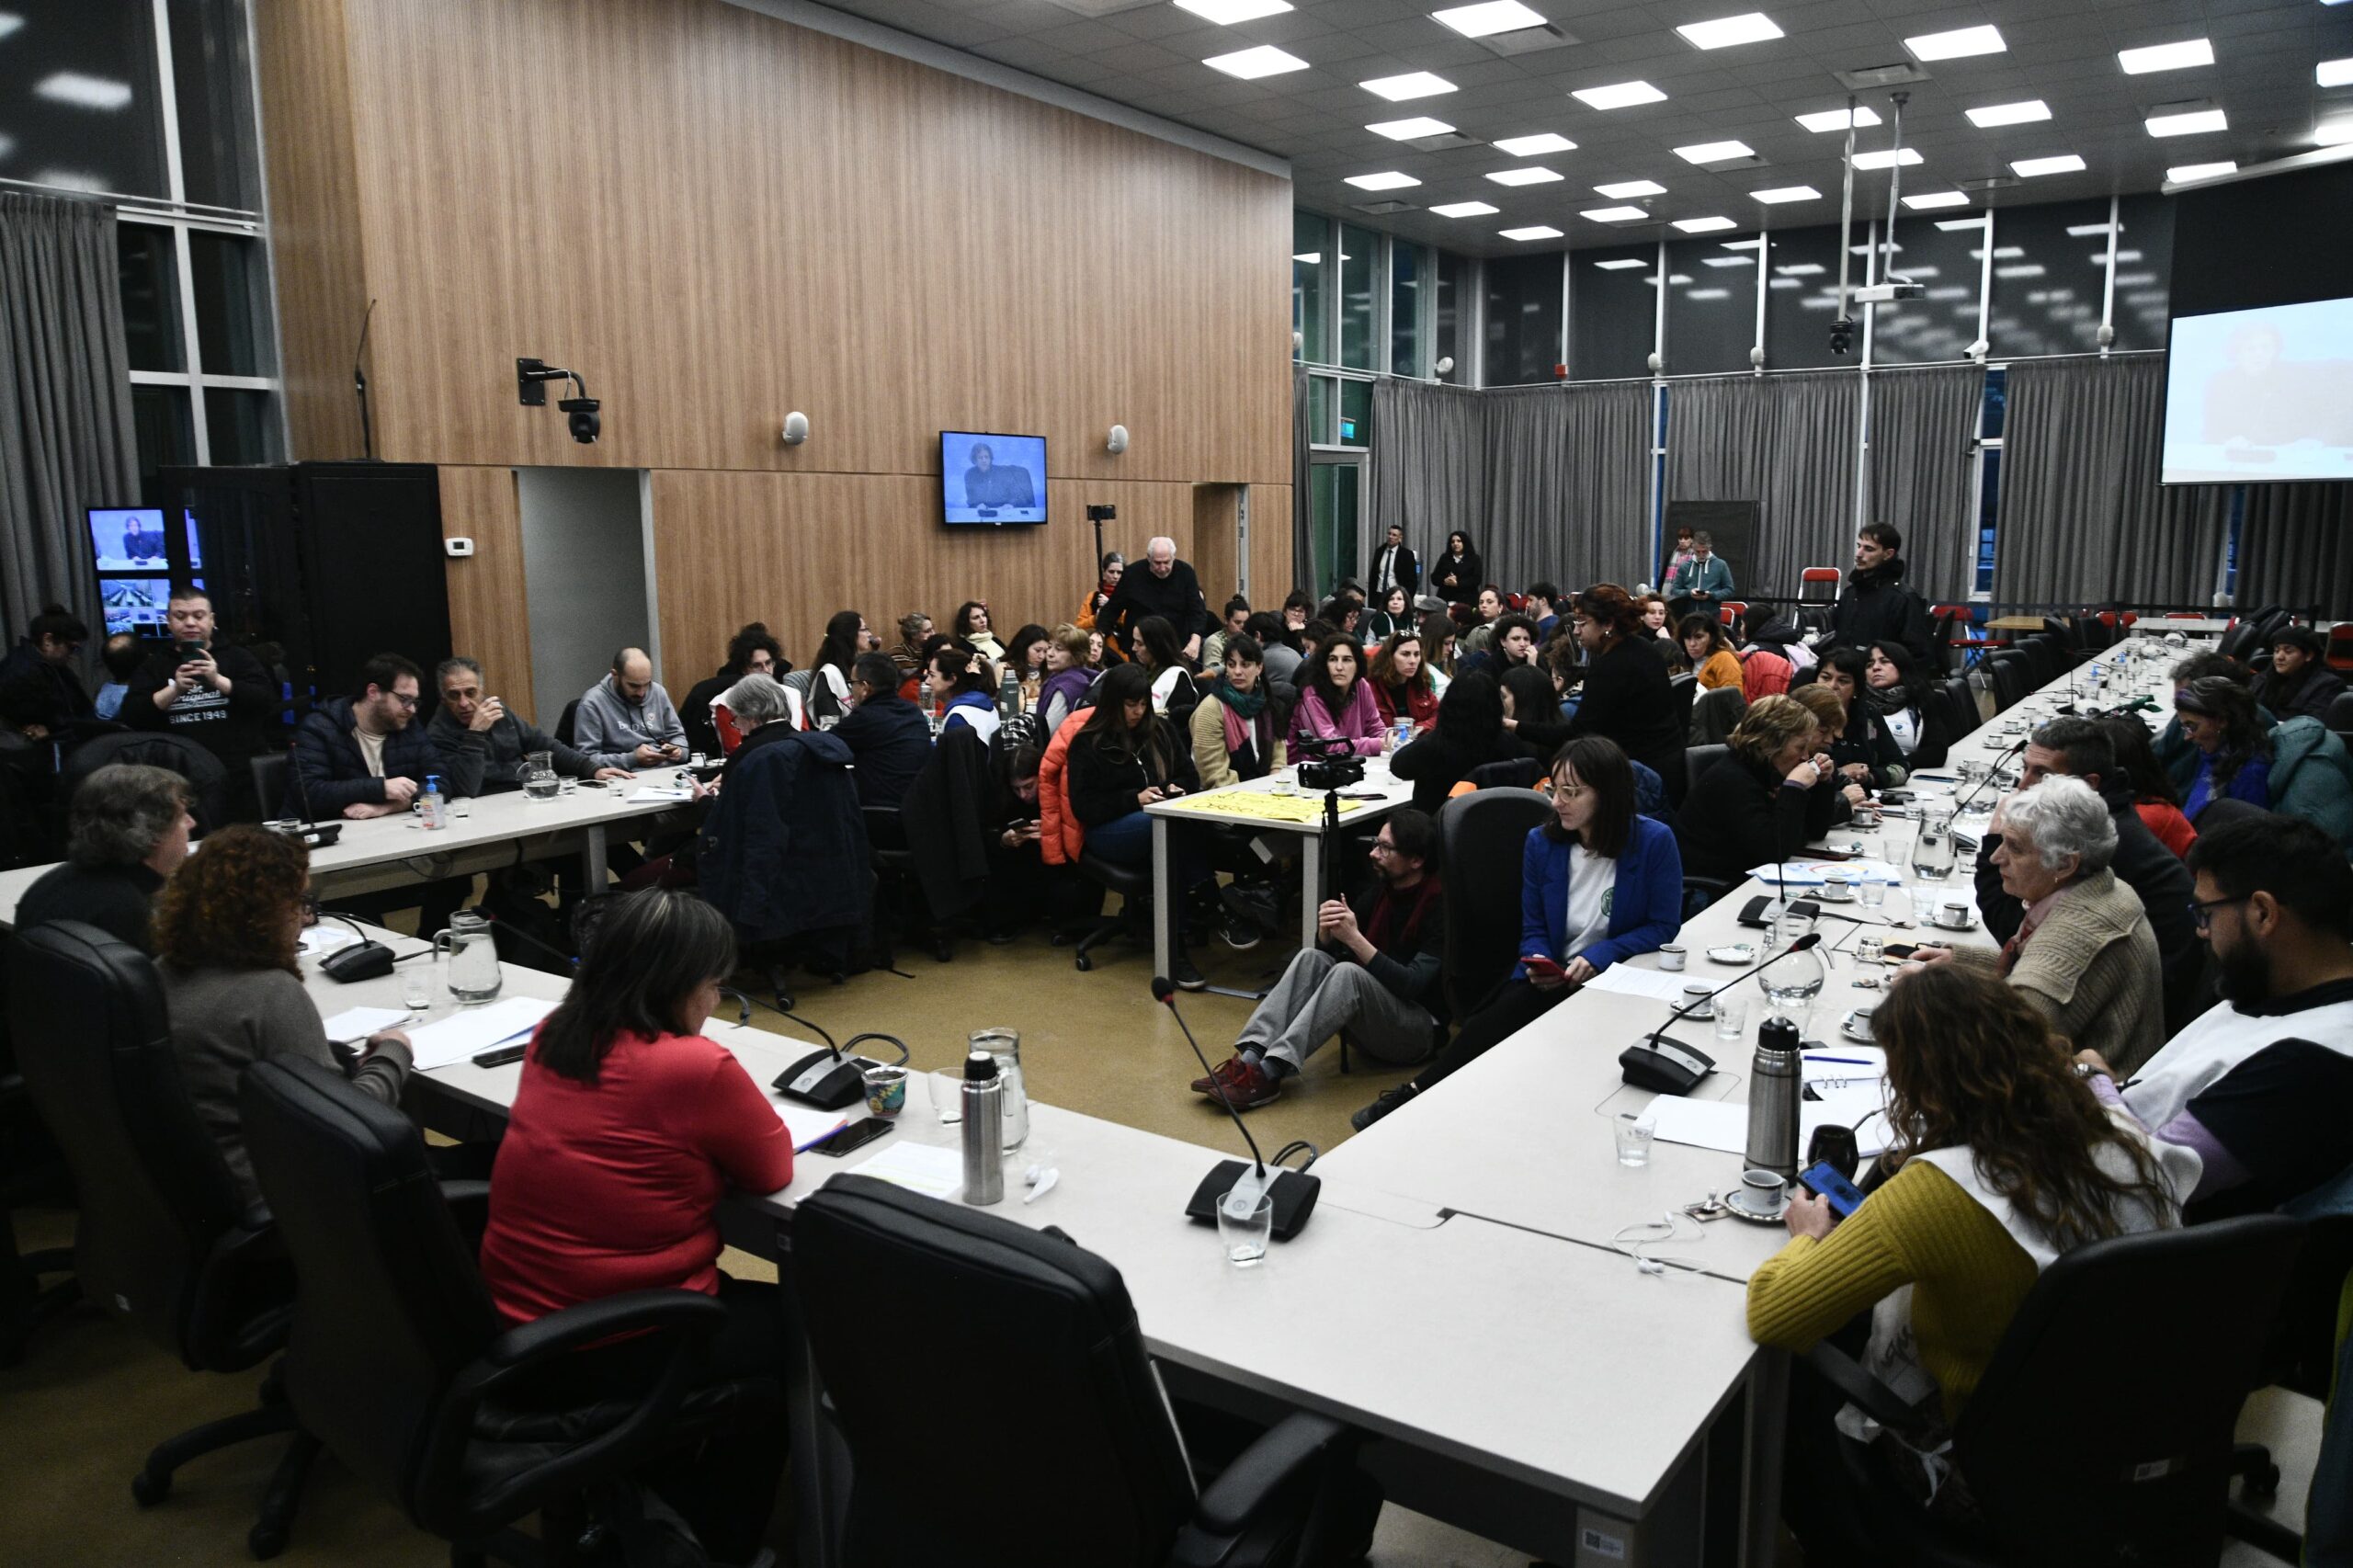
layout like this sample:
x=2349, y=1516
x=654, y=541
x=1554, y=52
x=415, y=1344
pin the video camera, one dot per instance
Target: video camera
x=1328, y=763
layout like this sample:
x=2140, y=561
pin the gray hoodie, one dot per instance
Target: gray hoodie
x=610, y=727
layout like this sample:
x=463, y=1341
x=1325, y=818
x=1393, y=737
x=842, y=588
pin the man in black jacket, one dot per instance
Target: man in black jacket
x=365, y=755
x=2076, y=747
x=1396, y=567
x=1875, y=606
x=1374, y=976
x=1166, y=587
x=887, y=735
x=484, y=744
x=51, y=642
x=218, y=696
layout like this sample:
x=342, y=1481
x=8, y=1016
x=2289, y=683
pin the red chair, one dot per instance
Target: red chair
x=1818, y=586
x=2341, y=646
x=1733, y=612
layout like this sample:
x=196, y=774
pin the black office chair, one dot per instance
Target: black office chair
x=2071, y=1465
x=208, y=780
x=1682, y=689
x=2013, y=672
x=164, y=1242
x=1481, y=837
x=1134, y=884
x=1960, y=707
x=1715, y=715
x=398, y=1362
x=898, y=896
x=568, y=724
x=1038, y=1324
x=269, y=771
x=1699, y=759
x=1513, y=773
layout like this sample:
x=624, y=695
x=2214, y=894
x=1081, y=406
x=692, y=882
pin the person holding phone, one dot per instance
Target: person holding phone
x=1598, y=883
x=217, y=695
x=1126, y=758
x=626, y=718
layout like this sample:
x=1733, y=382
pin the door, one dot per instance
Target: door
x=1336, y=487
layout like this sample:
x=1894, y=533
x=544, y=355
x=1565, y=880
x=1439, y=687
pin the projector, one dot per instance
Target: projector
x=1888, y=293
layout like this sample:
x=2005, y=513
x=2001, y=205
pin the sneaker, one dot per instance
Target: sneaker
x=1239, y=932
x=1390, y=1100
x=1254, y=903
x=1183, y=974
x=1222, y=1073
x=1246, y=1084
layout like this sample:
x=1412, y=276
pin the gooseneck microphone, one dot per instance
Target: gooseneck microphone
x=1991, y=769
x=1672, y=1068
x=1231, y=1183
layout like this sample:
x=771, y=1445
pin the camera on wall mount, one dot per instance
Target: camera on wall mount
x=1330, y=763
x=532, y=377
x=1102, y=513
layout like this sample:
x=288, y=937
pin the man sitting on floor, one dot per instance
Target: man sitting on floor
x=1374, y=976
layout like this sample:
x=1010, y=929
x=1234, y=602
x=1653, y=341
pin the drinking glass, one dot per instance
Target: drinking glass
x=416, y=987
x=946, y=1097
x=1873, y=893
x=1244, y=1232
x=1731, y=1017
x=1633, y=1140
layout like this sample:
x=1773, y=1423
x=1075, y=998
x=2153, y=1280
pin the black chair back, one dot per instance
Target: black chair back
x=1481, y=837
x=1960, y=707
x=1715, y=715
x=207, y=779
x=95, y=1046
x=568, y=724
x=2340, y=716
x=1030, y=1322
x=1682, y=689
x=2073, y=1462
x=269, y=783
x=1699, y=759
x=1515, y=773
x=2012, y=677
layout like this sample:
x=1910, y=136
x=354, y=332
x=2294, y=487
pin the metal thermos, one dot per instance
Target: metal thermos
x=983, y=1131
x=1773, y=1082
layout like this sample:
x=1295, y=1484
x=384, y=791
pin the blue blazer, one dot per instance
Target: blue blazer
x=1646, y=908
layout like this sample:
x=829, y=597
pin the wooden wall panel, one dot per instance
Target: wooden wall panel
x=489, y=612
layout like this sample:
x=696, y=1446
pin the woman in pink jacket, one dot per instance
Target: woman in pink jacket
x=1338, y=702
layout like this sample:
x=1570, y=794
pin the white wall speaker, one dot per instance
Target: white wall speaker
x=796, y=428
x=1117, y=440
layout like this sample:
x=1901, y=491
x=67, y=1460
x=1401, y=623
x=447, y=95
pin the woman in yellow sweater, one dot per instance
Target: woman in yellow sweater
x=2002, y=1159
x=1703, y=647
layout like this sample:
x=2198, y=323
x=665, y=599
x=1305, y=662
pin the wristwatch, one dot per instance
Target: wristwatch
x=2086, y=1071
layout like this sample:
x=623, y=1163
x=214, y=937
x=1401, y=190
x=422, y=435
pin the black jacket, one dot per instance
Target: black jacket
x=1740, y=814
x=1437, y=762
x=24, y=659
x=1175, y=597
x=1103, y=785
x=892, y=741
x=1409, y=571
x=2149, y=868
x=2311, y=695
x=483, y=762
x=1875, y=606
x=1628, y=697
x=1468, y=571
x=234, y=728
x=694, y=713
x=1933, y=741
x=1866, y=740
x=118, y=900
x=333, y=773
x=784, y=849
x=945, y=817
x=1408, y=967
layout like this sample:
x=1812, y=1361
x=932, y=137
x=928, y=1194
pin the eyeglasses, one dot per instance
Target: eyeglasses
x=407, y=703
x=1382, y=846
x=1571, y=792
x=2202, y=915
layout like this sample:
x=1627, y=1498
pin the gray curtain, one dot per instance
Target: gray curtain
x=2084, y=520
x=1569, y=488
x=1302, y=509
x=66, y=437
x=2296, y=547
x=1429, y=467
x=1786, y=442
x=1920, y=470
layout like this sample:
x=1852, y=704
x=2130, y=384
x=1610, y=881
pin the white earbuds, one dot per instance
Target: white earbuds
x=1039, y=1179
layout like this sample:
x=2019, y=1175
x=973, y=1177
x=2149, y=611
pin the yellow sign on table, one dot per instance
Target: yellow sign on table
x=1258, y=803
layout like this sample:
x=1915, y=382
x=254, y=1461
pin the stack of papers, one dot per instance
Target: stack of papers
x=1808, y=873
x=358, y=1023
x=918, y=1167
x=646, y=792
x=1626, y=980
x=808, y=1125
x=466, y=1035
x=1723, y=1124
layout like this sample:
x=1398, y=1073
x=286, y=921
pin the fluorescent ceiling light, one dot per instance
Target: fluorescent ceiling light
x=1533, y=232
x=1929, y=200
x=1705, y=225
x=1388, y=179
x=1619, y=94
x=2335, y=133
x=1412, y=84
x=2200, y=171
x=1799, y=269
x=1252, y=63
x=1312, y=257
x=1836, y=119
x=1714, y=151
x=1629, y=188
x=1409, y=130
x=2031, y=270
x=1465, y=210
x=2022, y=113
x=1225, y=13
x=2085, y=230
x=84, y=91
x=1781, y=193
x=2335, y=73
x=1884, y=158
x=1725, y=261
x=1708, y=294
x=10, y=22
x=2167, y=56
x=2064, y=164
x=1535, y=173
x=1754, y=26
x=1494, y=17
x=2188, y=123
x=1958, y=44
x=1532, y=146
x=1962, y=226
x=1756, y=243
x=1621, y=263
x=1613, y=214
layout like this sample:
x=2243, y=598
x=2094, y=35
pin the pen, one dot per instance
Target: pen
x=1848, y=1061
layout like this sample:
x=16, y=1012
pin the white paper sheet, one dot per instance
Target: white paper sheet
x=320, y=939
x=467, y=1034
x=359, y=1023
x=918, y=1167
x=808, y=1125
x=646, y=792
x=1627, y=980
x=1723, y=1125
x=1808, y=873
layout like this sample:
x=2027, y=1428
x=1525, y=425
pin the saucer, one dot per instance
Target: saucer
x=1732, y=953
x=1857, y=1026
x=1736, y=1205
x=1941, y=923
x=1831, y=892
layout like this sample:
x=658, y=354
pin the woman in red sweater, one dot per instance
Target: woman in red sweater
x=627, y=1129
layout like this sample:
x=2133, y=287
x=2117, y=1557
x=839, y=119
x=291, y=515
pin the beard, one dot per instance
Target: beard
x=2242, y=974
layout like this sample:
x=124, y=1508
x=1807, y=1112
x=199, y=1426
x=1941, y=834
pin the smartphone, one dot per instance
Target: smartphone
x=188, y=652
x=1898, y=952
x=855, y=1136
x=1824, y=1181
x=592, y=783
x=503, y=1055
x=1895, y=797
x=1538, y=963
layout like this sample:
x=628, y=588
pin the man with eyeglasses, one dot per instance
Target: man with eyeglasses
x=1373, y=976
x=2261, y=1085
x=365, y=755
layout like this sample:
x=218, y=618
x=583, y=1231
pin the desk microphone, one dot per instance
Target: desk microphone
x=1672, y=1067
x=315, y=833
x=1992, y=769
x=1231, y=1182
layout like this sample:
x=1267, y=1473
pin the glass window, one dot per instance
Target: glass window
x=83, y=105
x=2143, y=270
x=149, y=279
x=1311, y=262
x=211, y=84
x=2050, y=269
x=1356, y=414
x=1989, y=495
x=1710, y=306
x=1320, y=398
x=167, y=434
x=1997, y=403
x=1334, y=492
x=231, y=304
x=1409, y=283
x=1943, y=323
x=1613, y=304
x=1357, y=345
x=239, y=426
x=1523, y=318
x=1802, y=301
x=1453, y=306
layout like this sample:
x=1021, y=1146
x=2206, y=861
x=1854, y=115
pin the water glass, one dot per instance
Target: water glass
x=1244, y=1232
x=1873, y=893
x=416, y=987
x=946, y=1097
x=1633, y=1140
x=1731, y=1017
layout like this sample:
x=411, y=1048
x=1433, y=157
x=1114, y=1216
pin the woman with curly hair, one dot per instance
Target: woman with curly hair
x=225, y=929
x=1626, y=695
x=2002, y=1159
x=1402, y=683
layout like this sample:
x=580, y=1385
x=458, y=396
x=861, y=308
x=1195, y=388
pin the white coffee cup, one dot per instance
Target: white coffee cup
x=1670, y=957
x=1761, y=1190
x=1953, y=914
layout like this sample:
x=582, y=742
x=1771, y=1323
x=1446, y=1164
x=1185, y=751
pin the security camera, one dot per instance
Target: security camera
x=1445, y=363
x=1978, y=350
x=1757, y=356
x=1842, y=335
x=1655, y=362
x=1894, y=291
x=584, y=421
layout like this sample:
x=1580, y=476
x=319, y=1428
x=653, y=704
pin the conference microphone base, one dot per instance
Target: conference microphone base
x=1294, y=1193
x=825, y=1079
x=1665, y=1064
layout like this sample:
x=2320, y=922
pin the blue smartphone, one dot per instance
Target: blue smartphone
x=1824, y=1181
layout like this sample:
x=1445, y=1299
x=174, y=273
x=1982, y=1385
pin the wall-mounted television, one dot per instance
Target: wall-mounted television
x=132, y=538
x=2260, y=395
x=136, y=605
x=991, y=480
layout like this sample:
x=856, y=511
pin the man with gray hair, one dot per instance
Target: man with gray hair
x=1166, y=587
x=129, y=827
x=626, y=718
x=484, y=744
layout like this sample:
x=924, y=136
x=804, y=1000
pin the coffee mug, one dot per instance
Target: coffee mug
x=1670, y=957
x=1866, y=816
x=1954, y=914
x=1762, y=1190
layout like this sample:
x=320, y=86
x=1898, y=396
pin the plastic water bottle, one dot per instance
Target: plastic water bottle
x=437, y=806
x=983, y=1129
x=1402, y=733
x=1009, y=694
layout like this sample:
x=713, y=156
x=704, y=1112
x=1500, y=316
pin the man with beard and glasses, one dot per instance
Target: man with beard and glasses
x=2261, y=1085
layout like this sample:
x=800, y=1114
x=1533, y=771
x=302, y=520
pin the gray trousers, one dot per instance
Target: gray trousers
x=1319, y=997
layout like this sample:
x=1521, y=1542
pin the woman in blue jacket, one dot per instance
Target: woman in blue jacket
x=1598, y=883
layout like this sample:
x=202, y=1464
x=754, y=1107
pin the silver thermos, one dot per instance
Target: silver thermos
x=1773, y=1082
x=983, y=1131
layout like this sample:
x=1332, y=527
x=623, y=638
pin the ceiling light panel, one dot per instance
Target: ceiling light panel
x=1412, y=84
x=2064, y=164
x=1410, y=129
x=2171, y=120
x=1623, y=190
x=1781, y=193
x=84, y=91
x=1613, y=214
x=1533, y=232
x=2334, y=72
x=1621, y=263
x=1726, y=261
x=1715, y=151
x=1536, y=145
x=1535, y=174
x=1705, y=225
x=1225, y=13
x=2022, y=113
x=1836, y=119
x=2167, y=56
x=1483, y=21
x=1887, y=158
x=2200, y=171
x=1250, y=64
x=1619, y=94
x=1465, y=208
x=1958, y=44
x=1754, y=27
x=1388, y=179
x=1928, y=202
x=2335, y=133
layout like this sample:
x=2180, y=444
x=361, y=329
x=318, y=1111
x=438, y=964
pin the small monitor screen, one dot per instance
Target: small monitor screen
x=125, y=539
x=135, y=605
x=989, y=480
x=2260, y=395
